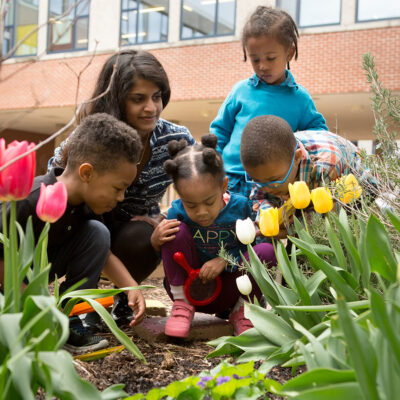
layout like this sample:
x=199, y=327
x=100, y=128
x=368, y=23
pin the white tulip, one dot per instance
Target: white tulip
x=245, y=230
x=244, y=285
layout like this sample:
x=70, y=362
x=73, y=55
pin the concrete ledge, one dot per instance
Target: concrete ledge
x=204, y=327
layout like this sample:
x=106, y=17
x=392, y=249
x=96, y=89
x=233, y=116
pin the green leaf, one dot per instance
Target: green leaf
x=395, y=220
x=361, y=352
x=353, y=305
x=21, y=374
x=379, y=251
x=335, y=244
x=318, y=263
x=271, y=326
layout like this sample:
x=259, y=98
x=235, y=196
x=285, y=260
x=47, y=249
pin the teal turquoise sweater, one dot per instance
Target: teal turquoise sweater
x=253, y=97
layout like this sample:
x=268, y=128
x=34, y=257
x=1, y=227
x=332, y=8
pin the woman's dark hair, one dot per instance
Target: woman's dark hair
x=188, y=161
x=130, y=65
x=271, y=21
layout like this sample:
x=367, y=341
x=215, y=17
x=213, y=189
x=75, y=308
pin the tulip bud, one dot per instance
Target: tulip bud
x=348, y=188
x=299, y=194
x=16, y=180
x=244, y=285
x=322, y=200
x=269, y=221
x=52, y=202
x=245, y=230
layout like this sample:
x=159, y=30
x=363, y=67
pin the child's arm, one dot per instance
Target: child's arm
x=212, y=268
x=223, y=124
x=311, y=119
x=115, y=270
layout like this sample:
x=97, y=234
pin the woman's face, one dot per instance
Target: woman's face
x=143, y=106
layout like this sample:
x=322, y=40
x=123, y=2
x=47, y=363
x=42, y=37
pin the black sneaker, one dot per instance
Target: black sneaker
x=93, y=322
x=121, y=312
x=81, y=340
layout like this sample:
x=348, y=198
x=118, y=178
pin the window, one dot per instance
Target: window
x=308, y=13
x=372, y=10
x=201, y=18
x=21, y=18
x=68, y=25
x=144, y=21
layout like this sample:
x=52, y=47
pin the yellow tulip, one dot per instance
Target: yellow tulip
x=348, y=188
x=269, y=223
x=322, y=200
x=299, y=194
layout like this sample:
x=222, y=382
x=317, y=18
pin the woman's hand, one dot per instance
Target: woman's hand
x=137, y=303
x=211, y=269
x=164, y=232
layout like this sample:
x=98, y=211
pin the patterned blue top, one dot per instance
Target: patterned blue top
x=209, y=239
x=142, y=197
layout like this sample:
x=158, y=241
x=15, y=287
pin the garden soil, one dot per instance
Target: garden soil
x=166, y=361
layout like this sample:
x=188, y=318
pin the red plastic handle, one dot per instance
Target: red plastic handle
x=181, y=260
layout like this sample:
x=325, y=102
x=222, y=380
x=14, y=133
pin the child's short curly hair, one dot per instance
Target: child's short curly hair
x=102, y=141
x=265, y=139
x=187, y=161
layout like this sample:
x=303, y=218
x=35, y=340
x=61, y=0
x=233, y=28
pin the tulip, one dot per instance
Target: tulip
x=245, y=230
x=299, y=194
x=16, y=180
x=244, y=285
x=269, y=222
x=348, y=189
x=52, y=202
x=322, y=200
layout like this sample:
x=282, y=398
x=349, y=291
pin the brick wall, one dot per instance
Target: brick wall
x=327, y=63
x=42, y=155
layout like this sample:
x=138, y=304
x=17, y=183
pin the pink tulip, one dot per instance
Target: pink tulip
x=52, y=202
x=17, y=179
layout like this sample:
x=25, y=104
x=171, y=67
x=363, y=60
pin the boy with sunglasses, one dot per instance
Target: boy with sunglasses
x=273, y=156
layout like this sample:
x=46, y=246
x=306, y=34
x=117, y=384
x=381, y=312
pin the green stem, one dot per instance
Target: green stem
x=305, y=221
x=14, y=256
x=7, y=267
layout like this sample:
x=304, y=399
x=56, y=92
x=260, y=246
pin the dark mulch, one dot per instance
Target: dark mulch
x=166, y=362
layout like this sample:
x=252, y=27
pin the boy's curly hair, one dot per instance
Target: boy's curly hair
x=271, y=21
x=188, y=161
x=265, y=139
x=103, y=141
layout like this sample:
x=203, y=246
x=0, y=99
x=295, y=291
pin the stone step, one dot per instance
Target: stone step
x=204, y=327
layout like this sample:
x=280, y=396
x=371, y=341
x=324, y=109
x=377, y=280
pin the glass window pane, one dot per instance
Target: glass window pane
x=61, y=32
x=153, y=21
x=128, y=27
x=198, y=16
x=368, y=10
x=319, y=12
x=10, y=13
x=83, y=8
x=290, y=6
x=82, y=30
x=26, y=20
x=226, y=17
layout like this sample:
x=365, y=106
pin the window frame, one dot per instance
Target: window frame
x=215, y=24
x=360, y=21
x=13, y=29
x=73, y=28
x=137, y=26
x=297, y=18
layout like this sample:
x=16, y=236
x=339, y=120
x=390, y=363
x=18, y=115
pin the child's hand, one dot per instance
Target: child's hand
x=137, y=303
x=211, y=269
x=164, y=232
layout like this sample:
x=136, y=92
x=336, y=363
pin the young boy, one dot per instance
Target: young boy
x=101, y=164
x=273, y=156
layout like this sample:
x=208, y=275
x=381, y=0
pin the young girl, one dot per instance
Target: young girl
x=207, y=216
x=269, y=39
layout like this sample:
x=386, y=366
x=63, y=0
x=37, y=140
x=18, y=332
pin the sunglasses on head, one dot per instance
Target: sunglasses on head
x=273, y=184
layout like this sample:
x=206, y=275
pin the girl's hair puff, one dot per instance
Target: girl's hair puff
x=268, y=20
x=189, y=161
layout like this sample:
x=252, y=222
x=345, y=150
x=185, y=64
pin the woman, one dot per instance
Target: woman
x=138, y=93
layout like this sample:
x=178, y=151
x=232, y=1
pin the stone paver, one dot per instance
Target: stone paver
x=204, y=327
x=155, y=307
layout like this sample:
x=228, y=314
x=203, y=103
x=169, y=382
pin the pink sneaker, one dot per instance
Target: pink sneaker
x=239, y=321
x=178, y=324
